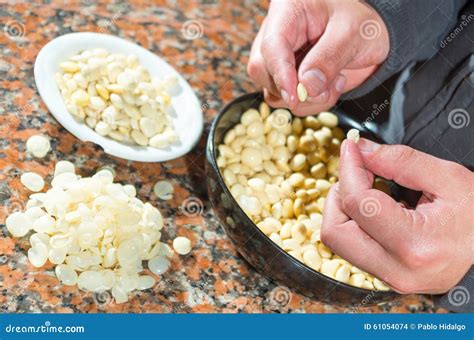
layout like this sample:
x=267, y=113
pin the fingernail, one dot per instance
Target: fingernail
x=284, y=96
x=315, y=80
x=340, y=83
x=367, y=146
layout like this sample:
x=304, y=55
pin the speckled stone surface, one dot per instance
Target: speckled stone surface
x=213, y=278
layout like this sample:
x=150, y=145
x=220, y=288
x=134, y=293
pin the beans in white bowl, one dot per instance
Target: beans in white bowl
x=116, y=96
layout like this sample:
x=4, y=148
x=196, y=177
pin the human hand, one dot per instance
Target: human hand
x=426, y=250
x=341, y=43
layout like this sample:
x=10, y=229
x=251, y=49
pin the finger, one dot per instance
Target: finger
x=348, y=240
x=325, y=61
x=272, y=100
x=352, y=168
x=355, y=246
x=411, y=168
x=256, y=68
x=333, y=213
x=323, y=102
x=360, y=169
x=375, y=212
x=278, y=47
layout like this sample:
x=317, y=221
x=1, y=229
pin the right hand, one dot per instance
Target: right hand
x=427, y=249
x=341, y=44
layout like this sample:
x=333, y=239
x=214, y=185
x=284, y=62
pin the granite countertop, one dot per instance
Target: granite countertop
x=213, y=278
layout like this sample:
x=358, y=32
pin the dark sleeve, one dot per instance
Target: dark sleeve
x=459, y=298
x=416, y=30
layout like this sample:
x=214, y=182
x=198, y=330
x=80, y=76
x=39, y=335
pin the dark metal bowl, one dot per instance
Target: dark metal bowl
x=264, y=255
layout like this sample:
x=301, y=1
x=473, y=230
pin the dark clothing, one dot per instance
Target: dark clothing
x=432, y=45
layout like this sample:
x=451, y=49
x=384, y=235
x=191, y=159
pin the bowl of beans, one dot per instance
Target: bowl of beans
x=268, y=173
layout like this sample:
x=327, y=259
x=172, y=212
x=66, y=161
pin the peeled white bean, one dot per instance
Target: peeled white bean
x=256, y=184
x=250, y=204
x=353, y=134
x=145, y=282
x=252, y=157
x=32, y=181
x=357, y=280
x=57, y=256
x=38, y=255
x=302, y=92
x=329, y=268
x=250, y=116
x=380, y=285
x=38, y=145
x=343, y=273
x=158, y=265
x=18, y=224
x=328, y=119
x=275, y=237
x=182, y=245
x=44, y=224
x=164, y=190
x=312, y=259
x=66, y=275
x=63, y=180
x=97, y=103
x=63, y=167
x=139, y=138
x=102, y=128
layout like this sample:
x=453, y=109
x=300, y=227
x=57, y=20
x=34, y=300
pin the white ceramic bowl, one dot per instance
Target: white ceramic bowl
x=188, y=120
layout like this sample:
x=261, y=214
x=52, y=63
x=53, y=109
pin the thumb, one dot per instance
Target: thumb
x=323, y=64
x=408, y=167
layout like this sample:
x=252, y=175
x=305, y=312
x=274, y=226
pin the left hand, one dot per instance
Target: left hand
x=339, y=44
